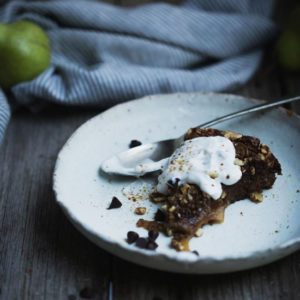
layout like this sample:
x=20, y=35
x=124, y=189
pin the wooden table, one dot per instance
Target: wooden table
x=42, y=256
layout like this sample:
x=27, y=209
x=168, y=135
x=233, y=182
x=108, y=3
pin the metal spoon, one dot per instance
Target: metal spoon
x=149, y=157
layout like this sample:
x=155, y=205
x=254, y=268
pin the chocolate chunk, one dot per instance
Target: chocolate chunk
x=132, y=237
x=151, y=245
x=153, y=235
x=159, y=216
x=115, y=203
x=173, y=185
x=141, y=243
x=195, y=252
x=134, y=143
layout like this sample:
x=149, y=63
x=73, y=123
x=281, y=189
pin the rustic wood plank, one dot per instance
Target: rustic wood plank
x=42, y=256
x=276, y=281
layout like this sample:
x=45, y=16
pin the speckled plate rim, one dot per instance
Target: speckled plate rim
x=141, y=256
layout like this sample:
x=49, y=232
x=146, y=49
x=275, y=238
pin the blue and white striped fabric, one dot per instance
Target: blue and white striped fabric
x=102, y=54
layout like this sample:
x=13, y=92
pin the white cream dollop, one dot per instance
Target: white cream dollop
x=204, y=161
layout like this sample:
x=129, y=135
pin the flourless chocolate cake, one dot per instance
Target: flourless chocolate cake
x=185, y=208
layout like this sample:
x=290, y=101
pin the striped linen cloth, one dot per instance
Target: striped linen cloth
x=102, y=54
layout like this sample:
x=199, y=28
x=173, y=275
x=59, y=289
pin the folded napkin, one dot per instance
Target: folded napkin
x=103, y=54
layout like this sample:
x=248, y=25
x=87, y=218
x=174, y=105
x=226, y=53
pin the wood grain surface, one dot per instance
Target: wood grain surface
x=42, y=256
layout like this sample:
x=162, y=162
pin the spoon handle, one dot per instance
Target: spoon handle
x=249, y=110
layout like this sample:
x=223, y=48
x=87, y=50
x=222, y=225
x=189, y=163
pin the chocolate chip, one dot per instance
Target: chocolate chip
x=132, y=237
x=153, y=235
x=151, y=245
x=195, y=252
x=87, y=293
x=173, y=185
x=141, y=243
x=159, y=216
x=134, y=143
x=115, y=203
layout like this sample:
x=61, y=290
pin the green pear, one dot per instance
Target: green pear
x=288, y=45
x=289, y=50
x=24, y=52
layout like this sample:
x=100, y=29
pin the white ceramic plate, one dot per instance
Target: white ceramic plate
x=251, y=235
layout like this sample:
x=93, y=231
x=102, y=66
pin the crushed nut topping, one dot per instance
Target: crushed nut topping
x=256, y=197
x=199, y=232
x=232, y=135
x=238, y=162
x=213, y=175
x=172, y=208
x=140, y=210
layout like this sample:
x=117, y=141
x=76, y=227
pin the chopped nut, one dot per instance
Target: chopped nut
x=181, y=247
x=190, y=197
x=169, y=232
x=252, y=170
x=232, y=135
x=224, y=194
x=238, y=162
x=140, y=210
x=199, y=232
x=164, y=207
x=189, y=131
x=172, y=208
x=261, y=156
x=158, y=199
x=264, y=149
x=213, y=175
x=184, y=201
x=185, y=188
x=256, y=197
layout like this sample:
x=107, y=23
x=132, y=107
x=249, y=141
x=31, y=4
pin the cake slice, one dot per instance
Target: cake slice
x=187, y=207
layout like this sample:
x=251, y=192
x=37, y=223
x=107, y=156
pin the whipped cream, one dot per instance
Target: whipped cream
x=204, y=161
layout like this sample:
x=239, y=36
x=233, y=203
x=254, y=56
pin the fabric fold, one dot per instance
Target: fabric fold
x=102, y=54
